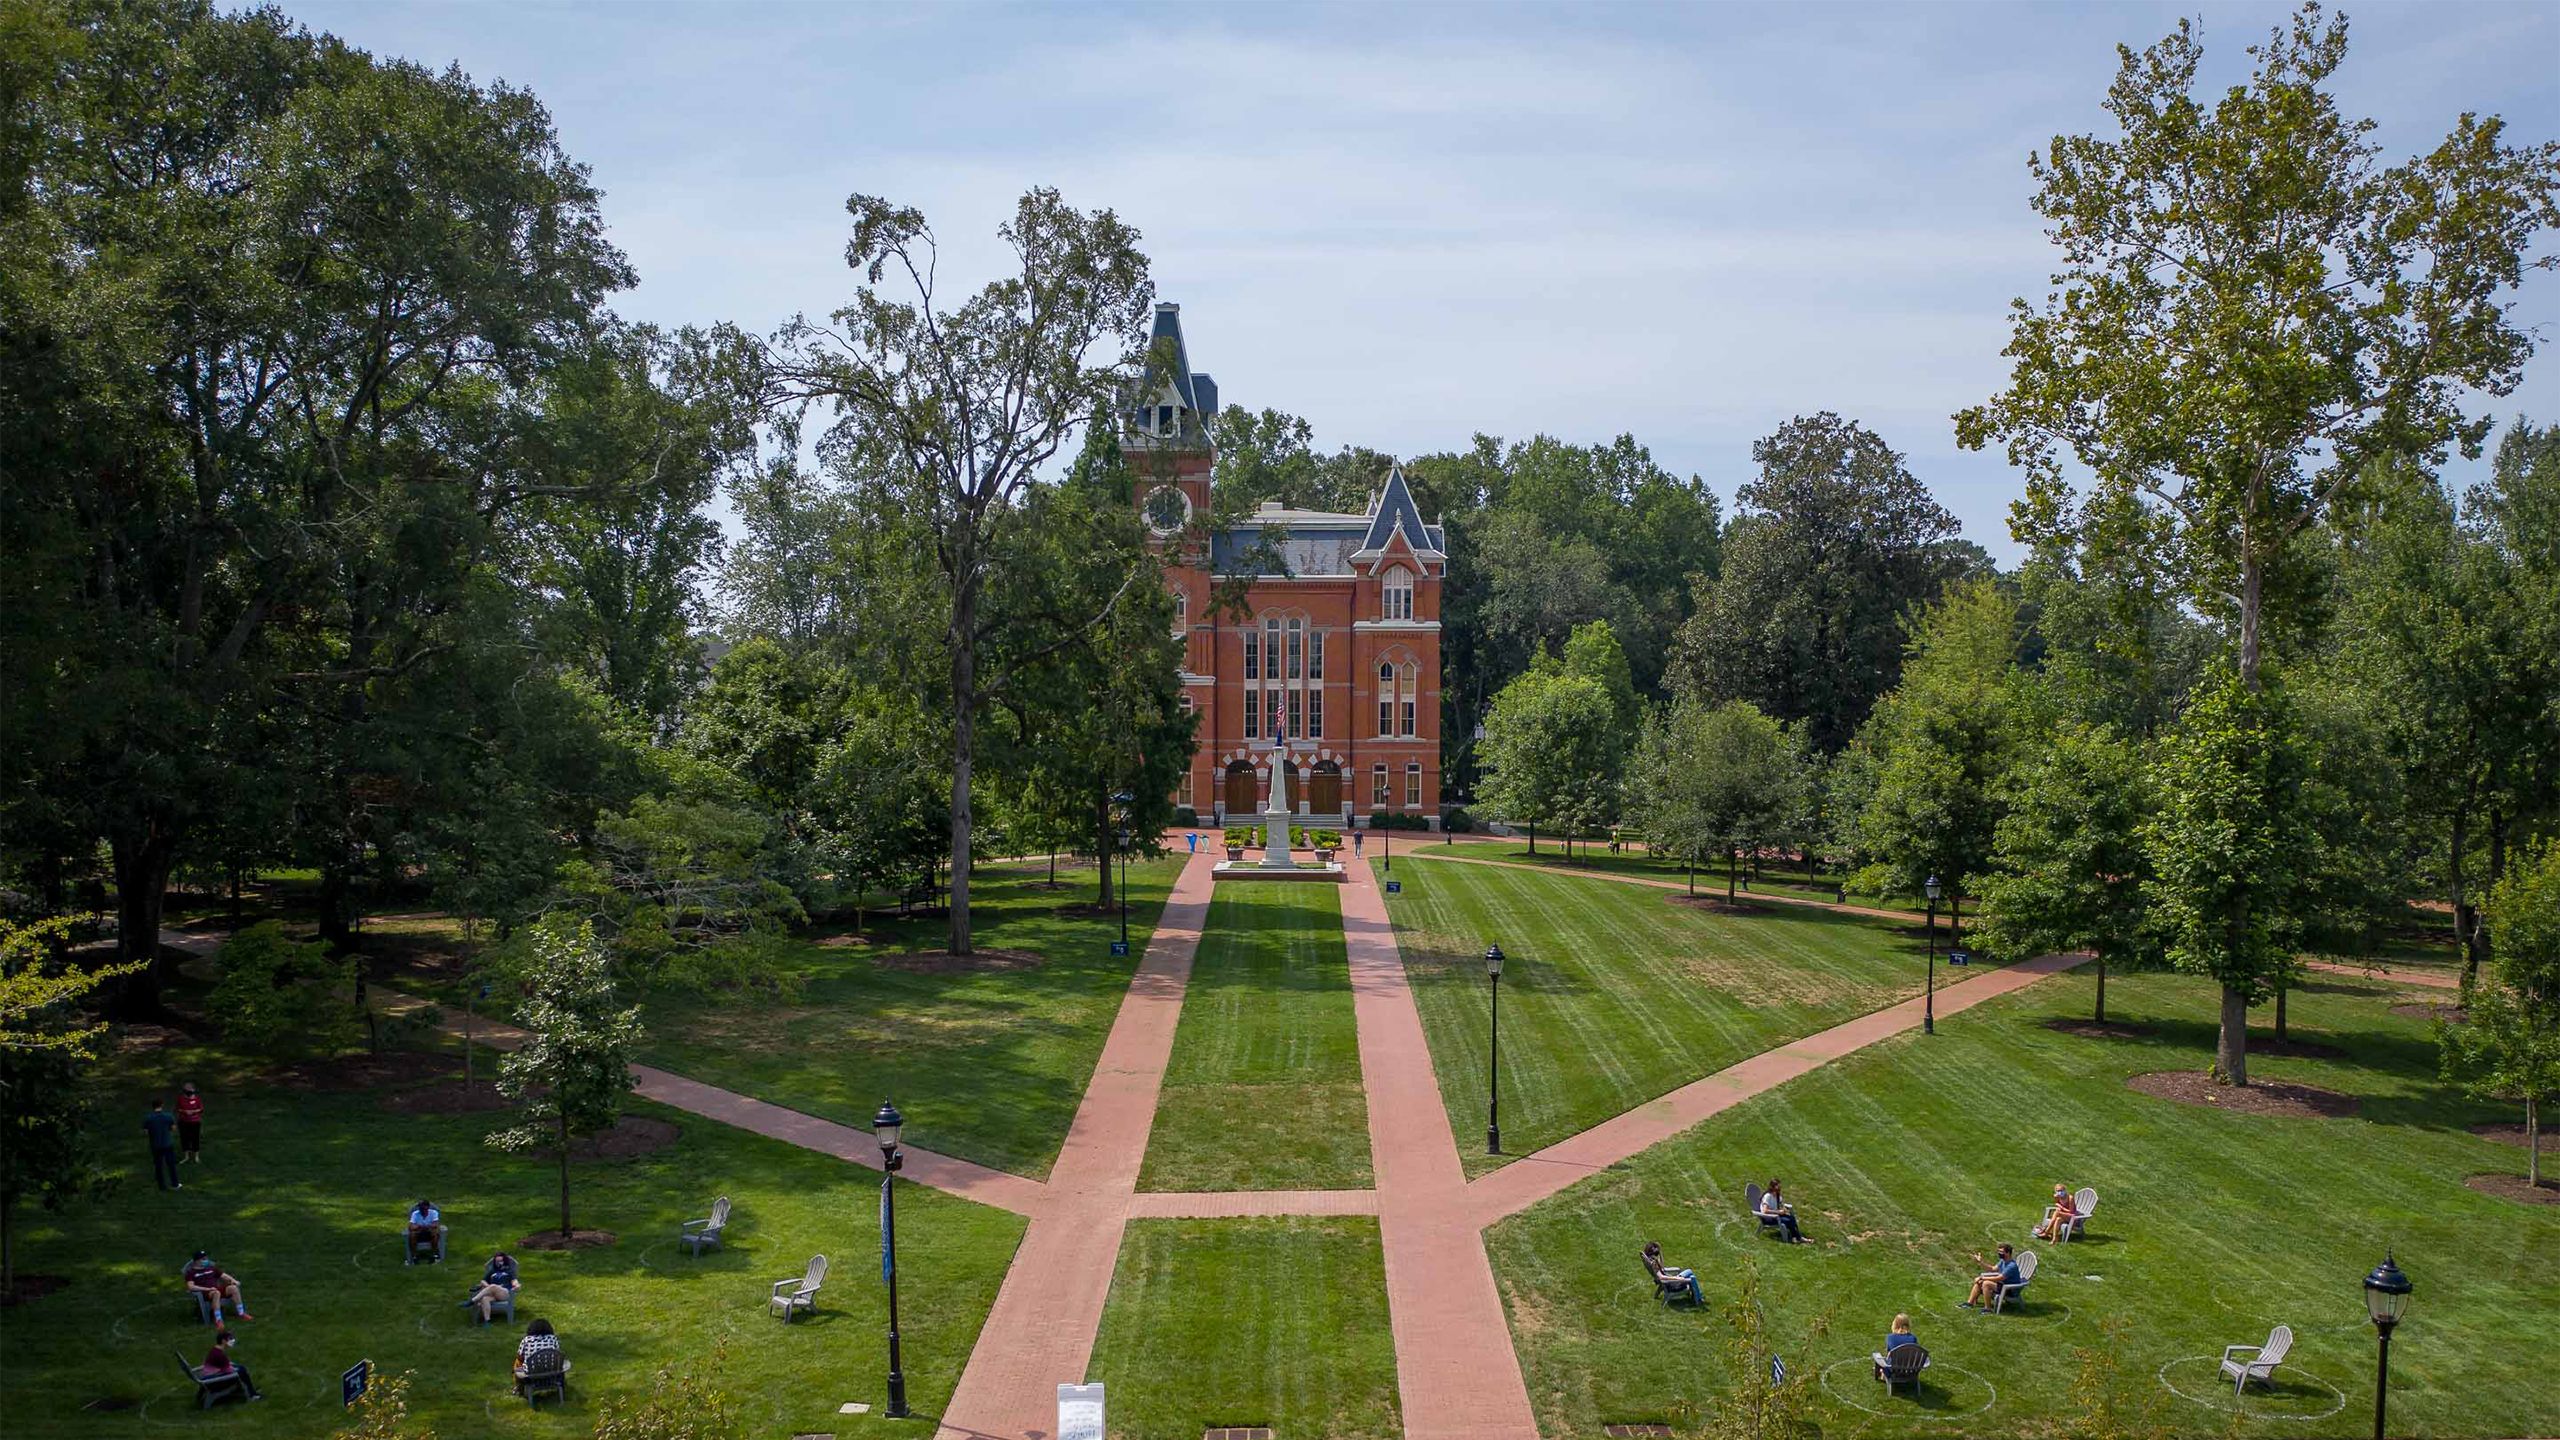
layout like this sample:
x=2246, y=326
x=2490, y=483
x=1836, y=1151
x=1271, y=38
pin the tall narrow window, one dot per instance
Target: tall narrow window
x=1378, y=786
x=1181, y=613
x=1252, y=656
x=1405, y=696
x=1297, y=713
x=1398, y=595
x=1315, y=713
x=1297, y=650
x=1413, y=785
x=1253, y=714
x=1386, y=698
x=1315, y=654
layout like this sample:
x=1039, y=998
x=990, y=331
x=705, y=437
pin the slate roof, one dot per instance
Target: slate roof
x=1169, y=327
x=1393, y=510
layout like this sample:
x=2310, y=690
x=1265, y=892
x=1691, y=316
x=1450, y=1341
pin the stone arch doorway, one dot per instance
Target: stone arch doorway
x=1244, y=793
x=1324, y=789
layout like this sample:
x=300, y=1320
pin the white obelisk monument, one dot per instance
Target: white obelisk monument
x=1275, y=812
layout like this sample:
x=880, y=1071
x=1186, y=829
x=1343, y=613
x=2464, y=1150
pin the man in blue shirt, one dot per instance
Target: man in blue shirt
x=1989, y=1284
x=162, y=1127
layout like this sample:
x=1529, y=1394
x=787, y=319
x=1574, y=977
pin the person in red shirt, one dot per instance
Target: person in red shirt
x=218, y=1361
x=190, y=1124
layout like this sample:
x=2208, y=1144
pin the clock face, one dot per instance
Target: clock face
x=1167, y=509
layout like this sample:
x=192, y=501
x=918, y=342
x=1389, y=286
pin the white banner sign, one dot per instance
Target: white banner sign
x=1080, y=1412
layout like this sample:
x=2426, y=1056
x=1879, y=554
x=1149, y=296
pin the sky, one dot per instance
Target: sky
x=1412, y=224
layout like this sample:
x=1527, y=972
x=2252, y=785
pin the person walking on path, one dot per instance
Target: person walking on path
x=162, y=1127
x=190, y=1125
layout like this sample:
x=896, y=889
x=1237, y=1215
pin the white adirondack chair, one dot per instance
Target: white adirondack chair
x=2083, y=1203
x=799, y=1292
x=2244, y=1363
x=698, y=1233
x=2026, y=1272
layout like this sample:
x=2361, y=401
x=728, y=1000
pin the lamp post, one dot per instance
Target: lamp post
x=1123, y=800
x=884, y=1128
x=1493, y=1072
x=1929, y=1006
x=2386, y=1295
x=1389, y=835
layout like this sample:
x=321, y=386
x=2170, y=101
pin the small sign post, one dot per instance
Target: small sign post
x=351, y=1385
x=1959, y=957
x=1119, y=947
x=1395, y=887
x=1777, y=1371
x=1080, y=1412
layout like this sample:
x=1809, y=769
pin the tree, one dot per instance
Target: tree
x=2508, y=1045
x=46, y=1049
x=2251, y=307
x=568, y=1078
x=2221, y=841
x=383, y=1412
x=2067, y=864
x=1943, y=743
x=1718, y=782
x=1593, y=652
x=283, y=997
x=954, y=411
x=1552, y=754
x=1830, y=547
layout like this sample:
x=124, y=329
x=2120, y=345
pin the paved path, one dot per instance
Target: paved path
x=1456, y=1372
x=2428, y=978
x=1752, y=896
x=1532, y=1178
x=1040, y=1333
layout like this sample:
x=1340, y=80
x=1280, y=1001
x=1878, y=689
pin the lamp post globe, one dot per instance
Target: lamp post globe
x=1929, y=1006
x=886, y=1126
x=2386, y=1298
x=1493, y=1072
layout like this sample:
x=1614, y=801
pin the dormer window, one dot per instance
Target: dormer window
x=1396, y=596
x=1164, y=419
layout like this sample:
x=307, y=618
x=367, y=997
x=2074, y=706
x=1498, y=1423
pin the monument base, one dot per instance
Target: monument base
x=1256, y=870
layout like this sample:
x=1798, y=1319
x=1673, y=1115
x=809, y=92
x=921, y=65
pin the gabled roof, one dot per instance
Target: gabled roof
x=1394, y=510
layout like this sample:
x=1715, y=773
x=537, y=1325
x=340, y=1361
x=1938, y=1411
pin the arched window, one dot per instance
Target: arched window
x=1378, y=786
x=1386, y=697
x=1289, y=679
x=1413, y=785
x=1181, y=613
x=1396, y=596
x=1406, y=694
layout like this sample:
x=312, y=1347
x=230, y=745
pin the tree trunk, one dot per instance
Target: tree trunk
x=1102, y=842
x=142, y=864
x=2101, y=1016
x=964, y=744
x=2532, y=1143
x=337, y=926
x=1533, y=838
x=9, y=1240
x=1732, y=868
x=564, y=1176
x=2231, y=1047
x=2466, y=916
x=2282, y=990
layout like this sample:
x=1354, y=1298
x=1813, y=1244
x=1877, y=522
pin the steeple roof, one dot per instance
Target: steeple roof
x=1169, y=327
x=1394, y=510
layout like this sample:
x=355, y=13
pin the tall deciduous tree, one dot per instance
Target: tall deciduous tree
x=47, y=1044
x=1830, y=546
x=1552, y=752
x=2067, y=864
x=953, y=411
x=568, y=1078
x=1717, y=782
x=2508, y=1046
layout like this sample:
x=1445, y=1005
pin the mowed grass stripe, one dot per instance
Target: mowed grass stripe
x=1263, y=1089
x=1909, y=1157
x=1279, y=1322
x=1615, y=994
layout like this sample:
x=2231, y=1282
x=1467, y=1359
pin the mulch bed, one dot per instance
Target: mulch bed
x=2267, y=1097
x=33, y=1287
x=574, y=1240
x=136, y=1038
x=943, y=962
x=2449, y=1014
x=2100, y=1029
x=1086, y=910
x=2513, y=1187
x=2507, y=1132
x=631, y=1137
x=1718, y=905
x=446, y=1097
x=365, y=1072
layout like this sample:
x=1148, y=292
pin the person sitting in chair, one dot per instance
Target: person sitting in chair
x=1988, y=1285
x=1896, y=1338
x=2059, y=1215
x=426, y=1229
x=496, y=1283
x=539, y=1341
x=213, y=1285
x=1670, y=1278
x=1775, y=1209
x=218, y=1362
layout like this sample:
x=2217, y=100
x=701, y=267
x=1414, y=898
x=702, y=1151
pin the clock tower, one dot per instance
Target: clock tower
x=1167, y=441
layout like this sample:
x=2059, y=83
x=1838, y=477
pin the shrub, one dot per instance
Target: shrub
x=1397, y=820
x=282, y=997
x=1302, y=836
x=1184, y=815
x=1457, y=821
x=1244, y=834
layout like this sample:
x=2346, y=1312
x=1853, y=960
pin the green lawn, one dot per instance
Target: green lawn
x=987, y=1062
x=301, y=1196
x=1278, y=1322
x=1263, y=1091
x=1615, y=994
x=1785, y=879
x=2211, y=1227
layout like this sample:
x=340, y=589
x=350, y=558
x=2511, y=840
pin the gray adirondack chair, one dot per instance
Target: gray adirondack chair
x=213, y=1388
x=698, y=1233
x=1901, y=1366
x=547, y=1373
x=505, y=1304
x=2026, y=1272
x=798, y=1292
x=2244, y=1363
x=208, y=1307
x=1752, y=1195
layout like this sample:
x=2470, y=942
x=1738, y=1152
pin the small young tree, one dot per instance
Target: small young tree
x=683, y=1403
x=1552, y=751
x=2067, y=862
x=568, y=1078
x=1758, y=1404
x=383, y=1413
x=46, y=1048
x=283, y=997
x=2508, y=1046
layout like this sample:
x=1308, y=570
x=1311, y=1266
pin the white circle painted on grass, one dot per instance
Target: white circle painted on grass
x=121, y=1328
x=2043, y=1315
x=1936, y=1369
x=2210, y=1366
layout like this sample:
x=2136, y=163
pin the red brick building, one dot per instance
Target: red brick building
x=1339, y=645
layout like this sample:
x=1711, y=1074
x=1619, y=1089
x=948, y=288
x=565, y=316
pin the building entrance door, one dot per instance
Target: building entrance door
x=1244, y=795
x=1324, y=789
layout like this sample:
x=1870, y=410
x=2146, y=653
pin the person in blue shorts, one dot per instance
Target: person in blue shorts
x=1988, y=1285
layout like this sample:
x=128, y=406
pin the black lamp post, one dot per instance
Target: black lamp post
x=1929, y=1006
x=884, y=1128
x=1493, y=1073
x=1389, y=835
x=1124, y=800
x=2386, y=1295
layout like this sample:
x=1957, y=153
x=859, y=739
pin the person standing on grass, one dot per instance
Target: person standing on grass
x=162, y=1127
x=190, y=1124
